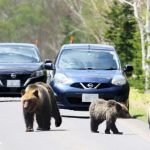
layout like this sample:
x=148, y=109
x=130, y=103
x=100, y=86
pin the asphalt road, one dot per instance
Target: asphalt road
x=74, y=133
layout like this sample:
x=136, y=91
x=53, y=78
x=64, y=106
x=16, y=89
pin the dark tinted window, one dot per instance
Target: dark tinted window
x=18, y=54
x=88, y=59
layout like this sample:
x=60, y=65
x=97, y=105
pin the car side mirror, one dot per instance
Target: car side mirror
x=49, y=66
x=128, y=69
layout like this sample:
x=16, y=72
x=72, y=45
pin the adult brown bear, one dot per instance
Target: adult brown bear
x=38, y=99
x=110, y=110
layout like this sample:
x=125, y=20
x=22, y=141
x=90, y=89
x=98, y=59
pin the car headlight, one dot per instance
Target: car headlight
x=39, y=73
x=61, y=79
x=119, y=80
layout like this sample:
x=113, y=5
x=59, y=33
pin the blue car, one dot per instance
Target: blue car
x=84, y=72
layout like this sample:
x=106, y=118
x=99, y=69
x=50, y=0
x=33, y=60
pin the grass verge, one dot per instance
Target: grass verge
x=138, y=104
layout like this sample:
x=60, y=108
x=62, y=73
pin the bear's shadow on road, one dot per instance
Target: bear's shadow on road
x=51, y=130
x=80, y=117
x=78, y=110
x=87, y=117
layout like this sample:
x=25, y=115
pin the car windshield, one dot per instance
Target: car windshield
x=88, y=59
x=18, y=54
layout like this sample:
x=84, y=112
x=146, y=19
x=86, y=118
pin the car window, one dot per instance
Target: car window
x=18, y=54
x=88, y=59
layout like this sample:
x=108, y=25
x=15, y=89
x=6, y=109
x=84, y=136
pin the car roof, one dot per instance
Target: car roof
x=88, y=46
x=18, y=44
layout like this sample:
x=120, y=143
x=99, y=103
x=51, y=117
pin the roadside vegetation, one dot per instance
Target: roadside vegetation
x=138, y=104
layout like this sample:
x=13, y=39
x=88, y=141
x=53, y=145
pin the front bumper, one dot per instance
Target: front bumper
x=71, y=98
x=16, y=91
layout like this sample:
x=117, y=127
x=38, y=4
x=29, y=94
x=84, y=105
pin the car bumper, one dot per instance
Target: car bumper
x=71, y=98
x=16, y=91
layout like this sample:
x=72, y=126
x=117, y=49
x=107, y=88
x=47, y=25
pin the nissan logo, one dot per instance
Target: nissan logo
x=90, y=85
x=13, y=75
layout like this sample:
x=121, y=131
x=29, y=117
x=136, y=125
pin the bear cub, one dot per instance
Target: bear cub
x=110, y=110
x=38, y=100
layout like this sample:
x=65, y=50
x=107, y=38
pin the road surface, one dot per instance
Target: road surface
x=73, y=134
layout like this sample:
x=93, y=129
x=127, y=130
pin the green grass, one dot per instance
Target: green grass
x=138, y=104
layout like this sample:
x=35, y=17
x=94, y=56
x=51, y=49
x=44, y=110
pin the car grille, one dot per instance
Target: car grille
x=21, y=77
x=90, y=85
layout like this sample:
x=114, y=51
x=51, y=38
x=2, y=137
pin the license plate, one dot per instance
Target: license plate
x=13, y=83
x=89, y=97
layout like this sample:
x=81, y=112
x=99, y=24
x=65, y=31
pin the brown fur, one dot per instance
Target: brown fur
x=38, y=99
x=124, y=113
x=101, y=110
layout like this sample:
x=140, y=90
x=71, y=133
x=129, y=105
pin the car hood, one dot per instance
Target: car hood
x=87, y=75
x=20, y=67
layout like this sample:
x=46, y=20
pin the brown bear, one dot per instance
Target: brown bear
x=38, y=99
x=110, y=110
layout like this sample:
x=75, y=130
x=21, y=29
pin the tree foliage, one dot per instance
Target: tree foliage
x=33, y=21
x=123, y=33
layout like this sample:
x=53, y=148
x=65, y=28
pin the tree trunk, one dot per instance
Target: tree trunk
x=142, y=33
x=145, y=36
x=147, y=71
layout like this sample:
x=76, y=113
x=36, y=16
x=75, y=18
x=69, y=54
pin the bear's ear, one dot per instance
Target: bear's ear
x=22, y=92
x=35, y=93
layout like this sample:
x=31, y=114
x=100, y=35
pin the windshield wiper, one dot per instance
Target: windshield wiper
x=91, y=68
x=111, y=68
x=86, y=68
